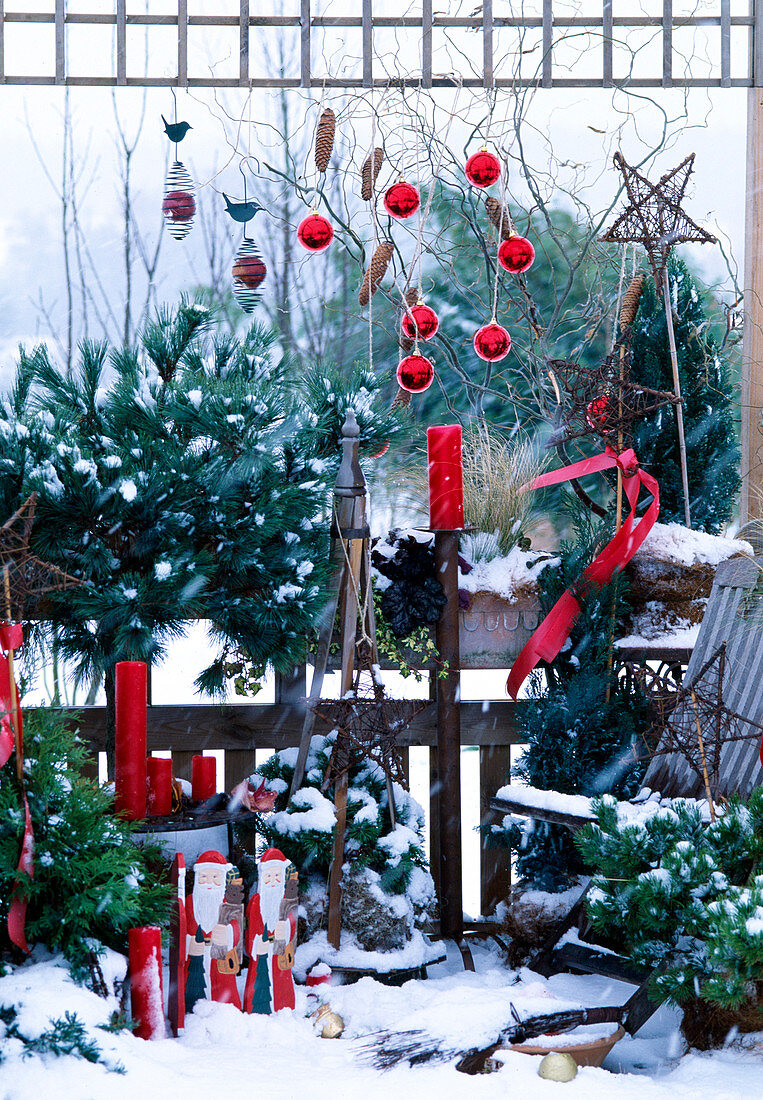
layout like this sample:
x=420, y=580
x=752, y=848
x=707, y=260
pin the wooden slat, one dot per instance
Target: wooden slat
x=291, y=689
x=60, y=38
x=2, y=41
x=434, y=818
x=548, y=41
x=243, y=42
x=182, y=43
x=182, y=762
x=589, y=960
x=405, y=760
x=239, y=763
x=667, y=43
x=508, y=805
x=304, y=44
x=607, y=31
x=725, y=43
x=487, y=43
x=495, y=863
x=121, y=42
x=426, y=43
x=368, y=43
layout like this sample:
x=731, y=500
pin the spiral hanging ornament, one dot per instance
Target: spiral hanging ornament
x=401, y=200
x=179, y=204
x=415, y=373
x=315, y=233
x=324, y=139
x=516, y=254
x=248, y=273
x=368, y=173
x=420, y=322
x=483, y=168
x=492, y=342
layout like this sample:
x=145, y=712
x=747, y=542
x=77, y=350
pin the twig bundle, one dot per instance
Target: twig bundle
x=499, y=216
x=629, y=307
x=324, y=139
x=375, y=272
x=368, y=173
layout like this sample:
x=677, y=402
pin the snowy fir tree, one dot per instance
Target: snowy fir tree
x=708, y=396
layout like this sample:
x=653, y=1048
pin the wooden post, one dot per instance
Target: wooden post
x=751, y=501
x=666, y=301
x=449, y=739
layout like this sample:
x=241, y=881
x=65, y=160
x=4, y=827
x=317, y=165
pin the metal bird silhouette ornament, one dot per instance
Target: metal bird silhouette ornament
x=179, y=206
x=176, y=131
x=242, y=212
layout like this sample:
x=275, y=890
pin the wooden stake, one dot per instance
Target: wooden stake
x=705, y=776
x=677, y=391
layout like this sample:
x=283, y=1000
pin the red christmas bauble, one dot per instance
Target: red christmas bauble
x=249, y=271
x=415, y=373
x=492, y=342
x=483, y=168
x=401, y=200
x=516, y=255
x=599, y=413
x=420, y=321
x=179, y=205
x=382, y=450
x=315, y=233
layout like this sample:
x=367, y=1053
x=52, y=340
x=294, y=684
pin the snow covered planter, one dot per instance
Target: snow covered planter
x=387, y=891
x=681, y=895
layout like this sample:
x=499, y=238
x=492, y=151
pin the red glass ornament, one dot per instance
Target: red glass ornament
x=492, y=342
x=401, y=200
x=415, y=373
x=483, y=168
x=179, y=206
x=516, y=255
x=315, y=233
x=599, y=413
x=382, y=450
x=420, y=321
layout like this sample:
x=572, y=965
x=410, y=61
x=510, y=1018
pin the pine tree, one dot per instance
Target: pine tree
x=708, y=395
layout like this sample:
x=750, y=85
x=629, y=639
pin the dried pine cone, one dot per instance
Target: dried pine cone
x=375, y=272
x=368, y=173
x=411, y=298
x=629, y=306
x=402, y=398
x=324, y=139
x=499, y=216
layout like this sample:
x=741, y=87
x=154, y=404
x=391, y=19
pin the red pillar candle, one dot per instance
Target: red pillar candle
x=203, y=778
x=146, y=1001
x=130, y=740
x=159, y=801
x=446, y=481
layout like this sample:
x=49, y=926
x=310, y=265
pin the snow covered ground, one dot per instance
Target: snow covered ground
x=224, y=1053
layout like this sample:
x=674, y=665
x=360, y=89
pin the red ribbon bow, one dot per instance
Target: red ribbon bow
x=547, y=641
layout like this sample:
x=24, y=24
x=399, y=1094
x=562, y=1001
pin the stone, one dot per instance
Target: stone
x=558, y=1067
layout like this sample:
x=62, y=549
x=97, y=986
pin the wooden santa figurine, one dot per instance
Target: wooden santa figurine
x=271, y=934
x=214, y=931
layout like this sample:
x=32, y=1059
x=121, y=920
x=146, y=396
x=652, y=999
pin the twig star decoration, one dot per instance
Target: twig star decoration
x=654, y=217
x=28, y=577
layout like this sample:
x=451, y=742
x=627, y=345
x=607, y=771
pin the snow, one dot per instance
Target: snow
x=507, y=576
x=416, y=952
x=223, y=1051
x=684, y=637
x=676, y=543
x=646, y=804
x=128, y=489
x=318, y=813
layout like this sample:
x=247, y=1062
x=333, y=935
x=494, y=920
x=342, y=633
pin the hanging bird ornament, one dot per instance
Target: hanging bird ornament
x=176, y=131
x=179, y=206
x=241, y=211
x=249, y=270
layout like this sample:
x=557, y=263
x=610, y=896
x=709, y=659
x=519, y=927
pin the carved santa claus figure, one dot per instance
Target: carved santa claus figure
x=271, y=932
x=212, y=935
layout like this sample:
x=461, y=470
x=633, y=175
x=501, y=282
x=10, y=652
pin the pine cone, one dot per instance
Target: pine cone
x=629, y=306
x=375, y=273
x=406, y=344
x=402, y=398
x=411, y=296
x=499, y=216
x=368, y=173
x=324, y=139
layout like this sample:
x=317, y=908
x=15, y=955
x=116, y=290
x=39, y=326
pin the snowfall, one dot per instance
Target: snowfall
x=225, y=1053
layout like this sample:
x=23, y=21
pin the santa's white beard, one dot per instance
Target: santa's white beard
x=207, y=899
x=270, y=904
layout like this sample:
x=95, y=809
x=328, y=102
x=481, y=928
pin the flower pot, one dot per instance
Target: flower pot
x=492, y=631
x=590, y=1053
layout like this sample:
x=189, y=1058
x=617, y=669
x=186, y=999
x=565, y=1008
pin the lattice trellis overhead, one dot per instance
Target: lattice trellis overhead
x=729, y=44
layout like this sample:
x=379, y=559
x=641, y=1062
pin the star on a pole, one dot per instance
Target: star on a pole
x=25, y=578
x=654, y=217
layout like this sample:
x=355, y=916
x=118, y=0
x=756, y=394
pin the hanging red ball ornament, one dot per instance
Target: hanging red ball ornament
x=483, y=168
x=415, y=373
x=420, y=322
x=315, y=233
x=516, y=255
x=401, y=200
x=492, y=342
x=600, y=414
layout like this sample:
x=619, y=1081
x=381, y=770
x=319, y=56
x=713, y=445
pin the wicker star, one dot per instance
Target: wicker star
x=654, y=217
x=23, y=576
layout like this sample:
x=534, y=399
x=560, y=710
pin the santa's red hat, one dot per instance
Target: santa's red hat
x=273, y=855
x=213, y=859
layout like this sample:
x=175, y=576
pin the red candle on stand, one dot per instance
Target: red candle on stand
x=446, y=479
x=203, y=778
x=130, y=740
x=146, y=1000
x=159, y=801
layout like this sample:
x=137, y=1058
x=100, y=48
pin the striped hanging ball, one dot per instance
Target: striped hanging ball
x=179, y=205
x=248, y=272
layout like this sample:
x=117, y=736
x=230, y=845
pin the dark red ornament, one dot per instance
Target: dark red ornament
x=420, y=321
x=492, y=342
x=382, y=450
x=401, y=200
x=599, y=413
x=179, y=206
x=415, y=373
x=483, y=168
x=249, y=271
x=315, y=233
x=516, y=255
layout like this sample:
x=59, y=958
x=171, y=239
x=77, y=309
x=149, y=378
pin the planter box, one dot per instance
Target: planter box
x=493, y=631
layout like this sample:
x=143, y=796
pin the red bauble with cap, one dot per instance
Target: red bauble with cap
x=420, y=322
x=492, y=342
x=401, y=200
x=415, y=373
x=315, y=233
x=483, y=168
x=600, y=413
x=516, y=255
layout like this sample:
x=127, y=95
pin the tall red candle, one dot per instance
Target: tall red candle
x=446, y=478
x=146, y=1001
x=130, y=740
x=203, y=778
x=159, y=801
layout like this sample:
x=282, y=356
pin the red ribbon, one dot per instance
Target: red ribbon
x=547, y=641
x=17, y=911
x=11, y=637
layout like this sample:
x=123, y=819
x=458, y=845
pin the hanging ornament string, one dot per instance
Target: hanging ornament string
x=618, y=303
